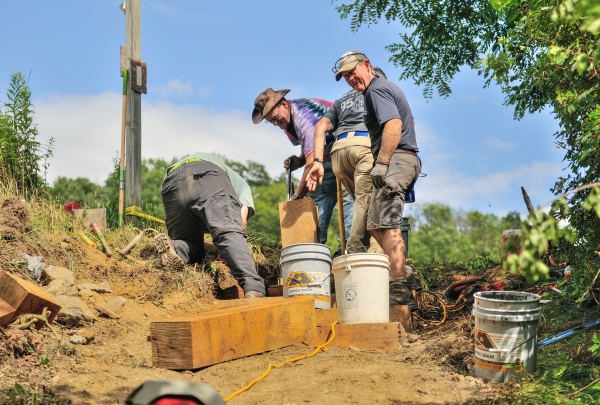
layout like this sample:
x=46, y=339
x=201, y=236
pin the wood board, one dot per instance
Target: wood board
x=7, y=313
x=299, y=221
x=364, y=336
x=243, y=302
x=25, y=297
x=213, y=337
x=326, y=317
x=402, y=314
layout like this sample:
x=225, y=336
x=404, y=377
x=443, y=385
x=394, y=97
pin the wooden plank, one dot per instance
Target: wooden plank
x=402, y=314
x=364, y=336
x=25, y=297
x=232, y=293
x=213, y=337
x=299, y=221
x=275, y=291
x=7, y=313
x=124, y=59
x=243, y=302
x=133, y=128
x=326, y=317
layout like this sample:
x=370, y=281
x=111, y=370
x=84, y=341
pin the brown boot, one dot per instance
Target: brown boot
x=400, y=293
x=166, y=250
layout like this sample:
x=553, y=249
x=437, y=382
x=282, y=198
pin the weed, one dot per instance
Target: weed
x=44, y=361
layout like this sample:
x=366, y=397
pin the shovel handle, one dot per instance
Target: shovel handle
x=289, y=183
x=86, y=239
x=132, y=244
x=341, y=215
x=99, y=233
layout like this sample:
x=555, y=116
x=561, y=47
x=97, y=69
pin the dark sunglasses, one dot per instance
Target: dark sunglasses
x=338, y=64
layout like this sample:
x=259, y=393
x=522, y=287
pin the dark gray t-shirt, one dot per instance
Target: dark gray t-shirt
x=385, y=101
x=347, y=113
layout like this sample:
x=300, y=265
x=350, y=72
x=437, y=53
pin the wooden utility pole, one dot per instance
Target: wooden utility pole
x=133, y=130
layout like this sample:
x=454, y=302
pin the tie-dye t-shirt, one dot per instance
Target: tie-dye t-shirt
x=306, y=112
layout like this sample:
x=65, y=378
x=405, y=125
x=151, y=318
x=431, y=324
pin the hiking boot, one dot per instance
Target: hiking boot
x=400, y=293
x=413, y=279
x=166, y=250
x=253, y=294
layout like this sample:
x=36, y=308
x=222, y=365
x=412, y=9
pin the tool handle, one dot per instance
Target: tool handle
x=341, y=215
x=289, y=183
x=86, y=239
x=131, y=245
x=99, y=233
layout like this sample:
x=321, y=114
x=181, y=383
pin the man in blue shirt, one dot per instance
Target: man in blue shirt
x=397, y=166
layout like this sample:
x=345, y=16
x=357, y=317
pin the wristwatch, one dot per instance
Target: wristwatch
x=295, y=197
x=318, y=160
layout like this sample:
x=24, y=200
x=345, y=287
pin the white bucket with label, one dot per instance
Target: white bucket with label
x=506, y=324
x=306, y=271
x=362, y=288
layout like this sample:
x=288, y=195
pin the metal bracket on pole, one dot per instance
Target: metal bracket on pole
x=137, y=73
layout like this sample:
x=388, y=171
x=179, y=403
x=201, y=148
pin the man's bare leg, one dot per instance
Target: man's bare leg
x=393, y=246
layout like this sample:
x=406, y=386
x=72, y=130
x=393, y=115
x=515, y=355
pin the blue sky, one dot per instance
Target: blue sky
x=207, y=61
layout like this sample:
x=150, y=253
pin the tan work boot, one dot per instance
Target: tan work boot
x=166, y=250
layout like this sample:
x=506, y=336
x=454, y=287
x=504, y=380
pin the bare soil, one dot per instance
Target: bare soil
x=433, y=366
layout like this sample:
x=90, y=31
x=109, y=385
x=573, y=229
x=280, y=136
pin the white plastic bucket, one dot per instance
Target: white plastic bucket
x=362, y=288
x=306, y=270
x=506, y=324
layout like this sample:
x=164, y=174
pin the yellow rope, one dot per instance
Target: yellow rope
x=137, y=211
x=322, y=347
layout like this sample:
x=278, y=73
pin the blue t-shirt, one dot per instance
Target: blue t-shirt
x=385, y=101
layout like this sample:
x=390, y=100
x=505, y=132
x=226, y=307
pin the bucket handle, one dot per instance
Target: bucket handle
x=348, y=268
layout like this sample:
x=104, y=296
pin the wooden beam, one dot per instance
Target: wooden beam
x=213, y=337
x=326, y=317
x=222, y=304
x=25, y=297
x=299, y=222
x=402, y=314
x=7, y=313
x=364, y=336
x=133, y=125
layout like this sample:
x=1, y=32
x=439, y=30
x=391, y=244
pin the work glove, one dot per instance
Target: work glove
x=378, y=174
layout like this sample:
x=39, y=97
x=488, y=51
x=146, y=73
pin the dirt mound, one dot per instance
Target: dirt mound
x=13, y=216
x=224, y=277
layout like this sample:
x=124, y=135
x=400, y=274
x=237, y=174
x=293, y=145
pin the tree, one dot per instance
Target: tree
x=24, y=159
x=80, y=189
x=543, y=53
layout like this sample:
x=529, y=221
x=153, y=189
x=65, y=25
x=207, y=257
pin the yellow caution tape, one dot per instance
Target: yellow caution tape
x=137, y=211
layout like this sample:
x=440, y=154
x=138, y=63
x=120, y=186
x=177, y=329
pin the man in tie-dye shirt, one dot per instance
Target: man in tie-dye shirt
x=297, y=118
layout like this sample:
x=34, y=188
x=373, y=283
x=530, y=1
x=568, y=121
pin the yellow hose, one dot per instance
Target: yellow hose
x=322, y=347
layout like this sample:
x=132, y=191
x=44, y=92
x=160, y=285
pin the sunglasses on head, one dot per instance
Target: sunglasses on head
x=338, y=64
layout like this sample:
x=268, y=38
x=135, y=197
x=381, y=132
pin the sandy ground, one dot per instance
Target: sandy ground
x=432, y=368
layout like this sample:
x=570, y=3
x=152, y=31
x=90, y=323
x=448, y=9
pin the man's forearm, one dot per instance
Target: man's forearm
x=302, y=188
x=392, y=132
x=321, y=128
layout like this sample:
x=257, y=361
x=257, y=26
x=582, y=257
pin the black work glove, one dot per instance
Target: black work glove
x=378, y=174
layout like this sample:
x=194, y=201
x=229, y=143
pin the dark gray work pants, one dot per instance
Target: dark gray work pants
x=199, y=198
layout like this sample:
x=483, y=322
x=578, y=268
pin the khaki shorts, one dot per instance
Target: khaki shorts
x=386, y=206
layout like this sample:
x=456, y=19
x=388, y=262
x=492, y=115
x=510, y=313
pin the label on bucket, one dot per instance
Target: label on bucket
x=499, y=348
x=305, y=283
x=351, y=296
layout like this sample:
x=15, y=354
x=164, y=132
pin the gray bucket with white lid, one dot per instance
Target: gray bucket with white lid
x=506, y=324
x=305, y=272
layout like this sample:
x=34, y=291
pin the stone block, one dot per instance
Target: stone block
x=61, y=286
x=115, y=304
x=73, y=311
x=56, y=273
x=102, y=288
x=87, y=334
